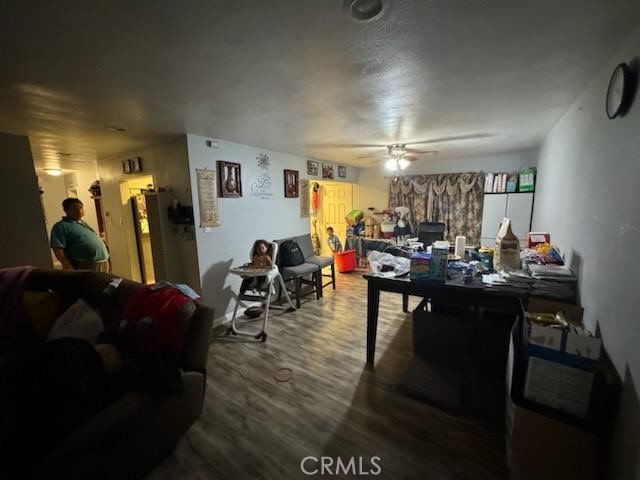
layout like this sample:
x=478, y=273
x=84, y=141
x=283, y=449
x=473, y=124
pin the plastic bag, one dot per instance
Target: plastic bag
x=386, y=265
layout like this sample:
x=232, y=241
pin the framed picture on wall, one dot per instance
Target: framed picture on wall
x=342, y=171
x=291, y=184
x=136, y=165
x=126, y=166
x=312, y=168
x=327, y=171
x=229, y=180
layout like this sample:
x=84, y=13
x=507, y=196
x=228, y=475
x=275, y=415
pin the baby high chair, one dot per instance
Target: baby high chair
x=264, y=293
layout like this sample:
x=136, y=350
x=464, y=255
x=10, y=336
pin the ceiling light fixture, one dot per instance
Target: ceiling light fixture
x=363, y=10
x=391, y=164
x=115, y=129
x=395, y=157
x=403, y=163
x=54, y=172
x=396, y=163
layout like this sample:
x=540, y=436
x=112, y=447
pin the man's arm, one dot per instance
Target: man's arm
x=110, y=270
x=62, y=258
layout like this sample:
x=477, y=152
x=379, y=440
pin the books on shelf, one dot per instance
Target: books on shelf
x=488, y=182
x=495, y=182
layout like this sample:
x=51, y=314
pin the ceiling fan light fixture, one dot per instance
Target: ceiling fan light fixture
x=403, y=163
x=396, y=150
x=391, y=164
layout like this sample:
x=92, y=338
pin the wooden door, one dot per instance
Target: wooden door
x=337, y=201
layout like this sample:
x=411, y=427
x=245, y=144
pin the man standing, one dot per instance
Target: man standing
x=75, y=244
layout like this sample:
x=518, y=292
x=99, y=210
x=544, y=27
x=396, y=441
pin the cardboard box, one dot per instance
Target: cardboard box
x=536, y=238
x=540, y=447
x=551, y=382
x=576, y=344
x=553, y=377
x=573, y=312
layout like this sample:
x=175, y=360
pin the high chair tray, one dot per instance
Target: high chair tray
x=249, y=271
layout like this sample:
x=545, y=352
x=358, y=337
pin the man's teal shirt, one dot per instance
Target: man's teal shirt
x=79, y=241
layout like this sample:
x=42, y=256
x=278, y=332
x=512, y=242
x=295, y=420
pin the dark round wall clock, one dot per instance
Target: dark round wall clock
x=619, y=91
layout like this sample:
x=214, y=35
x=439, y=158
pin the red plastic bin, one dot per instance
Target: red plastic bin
x=345, y=261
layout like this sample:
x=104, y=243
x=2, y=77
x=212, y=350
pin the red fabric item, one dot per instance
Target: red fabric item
x=151, y=319
x=314, y=200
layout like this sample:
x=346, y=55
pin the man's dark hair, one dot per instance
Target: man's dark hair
x=67, y=202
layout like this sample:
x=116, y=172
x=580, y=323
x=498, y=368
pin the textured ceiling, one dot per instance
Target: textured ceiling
x=298, y=76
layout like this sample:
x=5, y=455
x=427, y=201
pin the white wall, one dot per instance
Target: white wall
x=243, y=220
x=587, y=197
x=23, y=237
x=54, y=194
x=83, y=178
x=168, y=164
x=373, y=186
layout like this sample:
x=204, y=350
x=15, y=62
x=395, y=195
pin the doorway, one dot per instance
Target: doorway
x=334, y=202
x=132, y=191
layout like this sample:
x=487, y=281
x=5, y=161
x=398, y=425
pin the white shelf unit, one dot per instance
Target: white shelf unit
x=516, y=206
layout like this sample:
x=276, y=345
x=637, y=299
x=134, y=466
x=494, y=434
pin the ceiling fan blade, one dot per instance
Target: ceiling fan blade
x=414, y=150
x=370, y=155
x=453, y=138
x=346, y=145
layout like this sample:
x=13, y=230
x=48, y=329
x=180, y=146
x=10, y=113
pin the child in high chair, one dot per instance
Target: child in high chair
x=259, y=254
x=259, y=258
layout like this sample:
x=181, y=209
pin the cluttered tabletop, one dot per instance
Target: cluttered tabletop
x=537, y=270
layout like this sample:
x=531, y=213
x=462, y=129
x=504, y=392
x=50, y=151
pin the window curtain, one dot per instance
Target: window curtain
x=454, y=199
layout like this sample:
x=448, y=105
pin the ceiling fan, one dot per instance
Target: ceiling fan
x=397, y=155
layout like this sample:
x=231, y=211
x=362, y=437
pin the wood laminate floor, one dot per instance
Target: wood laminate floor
x=254, y=427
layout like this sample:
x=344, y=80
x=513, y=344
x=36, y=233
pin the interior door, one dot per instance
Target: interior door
x=337, y=201
x=143, y=238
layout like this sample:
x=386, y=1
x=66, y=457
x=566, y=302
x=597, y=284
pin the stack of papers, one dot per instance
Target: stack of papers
x=518, y=280
x=555, y=281
x=560, y=273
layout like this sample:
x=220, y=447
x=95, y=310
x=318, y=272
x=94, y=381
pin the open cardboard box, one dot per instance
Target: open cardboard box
x=542, y=442
x=572, y=343
x=555, y=377
x=541, y=445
